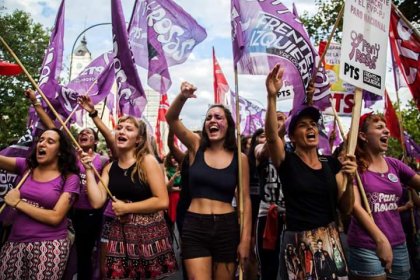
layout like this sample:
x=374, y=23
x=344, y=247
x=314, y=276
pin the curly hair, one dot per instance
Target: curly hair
x=142, y=149
x=363, y=158
x=67, y=160
x=254, y=144
x=230, y=139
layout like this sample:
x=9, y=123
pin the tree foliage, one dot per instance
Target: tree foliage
x=28, y=40
x=320, y=25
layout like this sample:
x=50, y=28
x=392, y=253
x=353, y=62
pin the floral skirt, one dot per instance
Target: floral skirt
x=139, y=247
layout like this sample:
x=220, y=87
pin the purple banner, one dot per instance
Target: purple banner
x=252, y=116
x=370, y=98
x=266, y=33
x=412, y=148
x=51, y=66
x=131, y=96
x=95, y=80
x=162, y=34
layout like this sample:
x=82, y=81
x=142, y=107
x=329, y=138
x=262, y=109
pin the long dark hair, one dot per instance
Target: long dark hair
x=67, y=160
x=230, y=139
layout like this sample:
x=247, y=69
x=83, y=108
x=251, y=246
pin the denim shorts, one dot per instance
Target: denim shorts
x=210, y=235
x=365, y=263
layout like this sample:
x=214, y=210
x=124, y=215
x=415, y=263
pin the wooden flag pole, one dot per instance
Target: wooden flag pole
x=399, y=115
x=52, y=110
x=415, y=31
x=352, y=142
x=330, y=37
x=77, y=105
x=238, y=139
x=17, y=187
x=359, y=181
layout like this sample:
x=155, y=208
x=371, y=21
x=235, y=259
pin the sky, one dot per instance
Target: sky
x=213, y=15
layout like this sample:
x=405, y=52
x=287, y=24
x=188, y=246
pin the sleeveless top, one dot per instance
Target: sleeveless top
x=213, y=183
x=123, y=188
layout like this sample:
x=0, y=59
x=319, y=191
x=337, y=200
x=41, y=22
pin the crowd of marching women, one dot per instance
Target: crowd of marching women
x=297, y=215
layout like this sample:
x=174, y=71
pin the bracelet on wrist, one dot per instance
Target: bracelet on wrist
x=93, y=114
x=36, y=103
x=17, y=203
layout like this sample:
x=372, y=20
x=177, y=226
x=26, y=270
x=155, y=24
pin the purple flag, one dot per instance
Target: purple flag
x=51, y=66
x=266, y=33
x=21, y=149
x=95, y=80
x=252, y=116
x=370, y=98
x=412, y=148
x=131, y=96
x=162, y=34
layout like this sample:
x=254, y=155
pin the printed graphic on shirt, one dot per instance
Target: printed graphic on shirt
x=381, y=202
x=272, y=188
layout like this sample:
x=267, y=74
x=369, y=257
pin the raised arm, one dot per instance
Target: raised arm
x=275, y=144
x=158, y=201
x=86, y=103
x=45, y=119
x=97, y=194
x=187, y=137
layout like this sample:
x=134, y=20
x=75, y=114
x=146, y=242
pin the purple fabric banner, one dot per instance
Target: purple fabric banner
x=95, y=80
x=162, y=34
x=131, y=96
x=412, y=148
x=370, y=98
x=266, y=33
x=252, y=115
x=51, y=66
x=8, y=180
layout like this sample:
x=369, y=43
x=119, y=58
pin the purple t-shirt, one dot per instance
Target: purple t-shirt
x=83, y=200
x=44, y=195
x=383, y=192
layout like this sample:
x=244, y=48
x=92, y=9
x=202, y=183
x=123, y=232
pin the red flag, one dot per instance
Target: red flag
x=161, y=129
x=391, y=118
x=405, y=46
x=9, y=69
x=221, y=87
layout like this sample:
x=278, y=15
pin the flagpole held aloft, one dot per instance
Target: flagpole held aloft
x=330, y=37
x=240, y=187
x=31, y=79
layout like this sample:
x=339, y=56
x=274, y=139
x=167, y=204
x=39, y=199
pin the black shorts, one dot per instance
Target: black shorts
x=210, y=235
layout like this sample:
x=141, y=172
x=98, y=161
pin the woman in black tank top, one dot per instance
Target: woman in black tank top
x=139, y=243
x=210, y=238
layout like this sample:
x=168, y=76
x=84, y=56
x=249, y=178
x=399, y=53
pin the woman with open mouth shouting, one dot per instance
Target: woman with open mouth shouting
x=139, y=245
x=312, y=187
x=211, y=242
x=38, y=246
x=87, y=221
x=378, y=246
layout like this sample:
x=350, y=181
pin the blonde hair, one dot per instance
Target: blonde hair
x=142, y=149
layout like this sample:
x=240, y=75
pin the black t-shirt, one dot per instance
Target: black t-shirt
x=310, y=195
